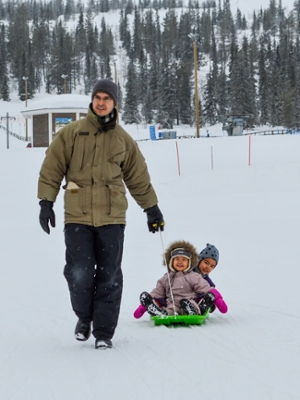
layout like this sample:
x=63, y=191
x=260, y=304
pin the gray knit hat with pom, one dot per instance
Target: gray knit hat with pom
x=210, y=251
x=106, y=86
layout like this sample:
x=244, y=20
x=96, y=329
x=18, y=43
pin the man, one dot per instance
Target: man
x=96, y=157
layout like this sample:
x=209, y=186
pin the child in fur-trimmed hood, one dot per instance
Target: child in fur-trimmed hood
x=185, y=283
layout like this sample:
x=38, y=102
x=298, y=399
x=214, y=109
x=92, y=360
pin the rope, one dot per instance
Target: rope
x=169, y=280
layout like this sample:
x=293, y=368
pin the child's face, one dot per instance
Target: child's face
x=207, y=265
x=180, y=263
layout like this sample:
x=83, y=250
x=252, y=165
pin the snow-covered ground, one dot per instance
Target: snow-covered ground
x=251, y=213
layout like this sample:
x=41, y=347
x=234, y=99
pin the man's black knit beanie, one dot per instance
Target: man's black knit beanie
x=106, y=86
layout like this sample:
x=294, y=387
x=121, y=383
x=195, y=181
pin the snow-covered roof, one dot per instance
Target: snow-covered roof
x=56, y=103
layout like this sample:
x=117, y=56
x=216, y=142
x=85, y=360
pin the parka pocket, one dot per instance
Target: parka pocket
x=77, y=201
x=79, y=152
x=116, y=165
x=118, y=203
x=118, y=158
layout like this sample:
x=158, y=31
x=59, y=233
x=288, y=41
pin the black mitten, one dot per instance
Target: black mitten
x=206, y=302
x=155, y=219
x=46, y=215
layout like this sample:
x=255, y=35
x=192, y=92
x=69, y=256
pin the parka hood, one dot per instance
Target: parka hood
x=184, y=245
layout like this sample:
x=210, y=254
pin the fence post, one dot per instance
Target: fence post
x=7, y=130
x=249, y=150
x=178, y=161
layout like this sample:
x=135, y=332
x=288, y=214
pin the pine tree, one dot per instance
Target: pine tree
x=3, y=53
x=18, y=37
x=168, y=103
x=4, y=90
x=210, y=112
x=210, y=101
x=184, y=93
x=31, y=86
x=62, y=60
x=263, y=86
x=184, y=47
x=131, y=113
x=120, y=97
x=170, y=33
x=40, y=46
x=137, y=26
x=23, y=76
x=106, y=49
x=91, y=34
x=122, y=26
x=147, y=111
x=276, y=103
x=87, y=72
x=69, y=9
x=235, y=79
x=142, y=86
x=238, y=19
x=222, y=93
x=297, y=86
x=288, y=106
x=247, y=88
x=80, y=35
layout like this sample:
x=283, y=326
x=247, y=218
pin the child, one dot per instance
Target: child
x=186, y=285
x=207, y=260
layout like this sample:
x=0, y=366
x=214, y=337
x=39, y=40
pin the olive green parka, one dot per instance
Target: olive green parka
x=96, y=161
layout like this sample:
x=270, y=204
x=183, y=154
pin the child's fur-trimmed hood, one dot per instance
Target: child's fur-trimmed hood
x=181, y=244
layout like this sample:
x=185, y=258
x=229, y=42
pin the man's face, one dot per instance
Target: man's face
x=102, y=104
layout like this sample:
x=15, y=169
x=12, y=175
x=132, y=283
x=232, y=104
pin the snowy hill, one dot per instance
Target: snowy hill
x=251, y=213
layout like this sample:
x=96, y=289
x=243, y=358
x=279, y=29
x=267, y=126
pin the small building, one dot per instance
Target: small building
x=235, y=124
x=49, y=115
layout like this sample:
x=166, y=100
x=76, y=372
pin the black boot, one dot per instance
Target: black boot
x=82, y=331
x=207, y=301
x=187, y=307
x=152, y=308
x=103, y=344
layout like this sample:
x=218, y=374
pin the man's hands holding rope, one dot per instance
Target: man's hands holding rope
x=155, y=219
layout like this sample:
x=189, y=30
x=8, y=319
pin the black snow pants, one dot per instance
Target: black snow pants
x=94, y=275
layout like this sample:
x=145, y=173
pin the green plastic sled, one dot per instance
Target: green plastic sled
x=180, y=319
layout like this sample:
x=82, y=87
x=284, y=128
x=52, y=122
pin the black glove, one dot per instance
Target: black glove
x=46, y=215
x=155, y=219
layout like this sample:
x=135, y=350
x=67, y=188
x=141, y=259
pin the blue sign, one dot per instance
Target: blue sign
x=152, y=132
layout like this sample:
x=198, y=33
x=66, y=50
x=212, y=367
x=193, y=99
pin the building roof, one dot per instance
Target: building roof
x=57, y=103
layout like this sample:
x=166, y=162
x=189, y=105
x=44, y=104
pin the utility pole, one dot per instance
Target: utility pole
x=65, y=82
x=26, y=97
x=194, y=38
x=7, y=130
x=116, y=82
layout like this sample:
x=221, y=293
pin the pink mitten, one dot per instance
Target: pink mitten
x=219, y=302
x=140, y=311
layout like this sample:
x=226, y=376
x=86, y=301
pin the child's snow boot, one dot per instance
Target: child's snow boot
x=207, y=301
x=152, y=308
x=187, y=307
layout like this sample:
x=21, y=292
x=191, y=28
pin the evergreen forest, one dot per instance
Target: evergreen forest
x=252, y=66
